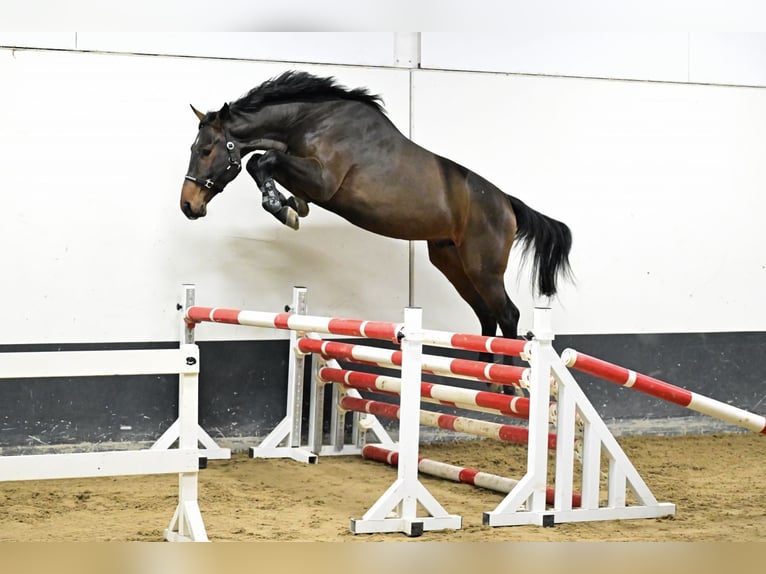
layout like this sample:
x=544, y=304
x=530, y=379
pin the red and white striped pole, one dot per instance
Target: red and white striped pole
x=465, y=425
x=432, y=364
x=294, y=322
x=483, y=401
x=457, y=473
x=665, y=391
x=479, y=343
x=354, y=328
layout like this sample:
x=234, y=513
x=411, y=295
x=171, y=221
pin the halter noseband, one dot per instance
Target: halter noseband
x=213, y=183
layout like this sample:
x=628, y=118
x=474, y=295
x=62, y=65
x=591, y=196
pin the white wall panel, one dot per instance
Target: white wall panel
x=94, y=150
x=640, y=56
x=662, y=185
x=54, y=40
x=357, y=48
x=738, y=59
x=698, y=57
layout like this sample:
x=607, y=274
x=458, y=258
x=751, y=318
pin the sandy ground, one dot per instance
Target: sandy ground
x=716, y=482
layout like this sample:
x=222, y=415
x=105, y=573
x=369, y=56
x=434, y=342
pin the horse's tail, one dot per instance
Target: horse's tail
x=548, y=242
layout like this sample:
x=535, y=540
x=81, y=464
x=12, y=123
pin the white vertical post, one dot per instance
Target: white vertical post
x=337, y=421
x=525, y=504
x=539, y=399
x=187, y=524
x=284, y=441
x=171, y=435
x=409, y=409
x=591, y=467
x=316, y=408
x=565, y=452
x=295, y=373
x=188, y=294
x=396, y=510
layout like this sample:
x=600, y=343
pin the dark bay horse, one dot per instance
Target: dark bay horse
x=336, y=148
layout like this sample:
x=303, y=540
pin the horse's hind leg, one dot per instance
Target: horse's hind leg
x=485, y=268
x=484, y=255
x=445, y=257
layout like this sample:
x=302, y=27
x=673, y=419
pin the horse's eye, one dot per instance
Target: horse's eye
x=204, y=152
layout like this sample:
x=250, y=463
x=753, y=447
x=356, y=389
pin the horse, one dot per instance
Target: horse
x=336, y=148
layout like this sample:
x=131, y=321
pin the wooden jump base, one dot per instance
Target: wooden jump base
x=665, y=391
x=186, y=523
x=395, y=510
x=457, y=473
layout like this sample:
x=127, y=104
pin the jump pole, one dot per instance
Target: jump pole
x=665, y=391
x=506, y=433
x=456, y=473
x=483, y=401
x=444, y=366
x=294, y=322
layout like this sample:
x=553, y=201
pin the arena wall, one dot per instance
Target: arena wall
x=649, y=146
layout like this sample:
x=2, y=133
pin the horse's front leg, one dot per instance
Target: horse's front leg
x=285, y=210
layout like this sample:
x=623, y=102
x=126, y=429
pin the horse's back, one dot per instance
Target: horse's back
x=392, y=186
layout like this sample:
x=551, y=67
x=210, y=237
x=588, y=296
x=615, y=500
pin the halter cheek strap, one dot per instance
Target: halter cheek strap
x=214, y=183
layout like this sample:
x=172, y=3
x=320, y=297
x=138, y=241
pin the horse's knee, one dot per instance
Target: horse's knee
x=261, y=165
x=252, y=164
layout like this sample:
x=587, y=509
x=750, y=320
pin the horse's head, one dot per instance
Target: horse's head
x=215, y=161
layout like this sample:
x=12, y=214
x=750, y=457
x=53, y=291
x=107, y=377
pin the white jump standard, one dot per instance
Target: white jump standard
x=395, y=510
x=186, y=523
x=526, y=503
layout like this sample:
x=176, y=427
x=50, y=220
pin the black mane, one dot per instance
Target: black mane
x=295, y=86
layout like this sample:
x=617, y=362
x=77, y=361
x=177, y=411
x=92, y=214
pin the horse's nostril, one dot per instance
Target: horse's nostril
x=186, y=207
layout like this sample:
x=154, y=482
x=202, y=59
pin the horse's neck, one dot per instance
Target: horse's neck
x=273, y=122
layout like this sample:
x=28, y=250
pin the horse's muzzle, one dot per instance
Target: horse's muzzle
x=189, y=212
x=193, y=201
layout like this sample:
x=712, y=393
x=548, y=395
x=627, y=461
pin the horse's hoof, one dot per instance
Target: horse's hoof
x=299, y=205
x=291, y=219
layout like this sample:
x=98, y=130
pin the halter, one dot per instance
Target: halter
x=212, y=183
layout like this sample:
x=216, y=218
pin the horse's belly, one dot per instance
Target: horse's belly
x=398, y=221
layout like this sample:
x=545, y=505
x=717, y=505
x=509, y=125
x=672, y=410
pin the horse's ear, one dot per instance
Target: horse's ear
x=197, y=113
x=223, y=113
